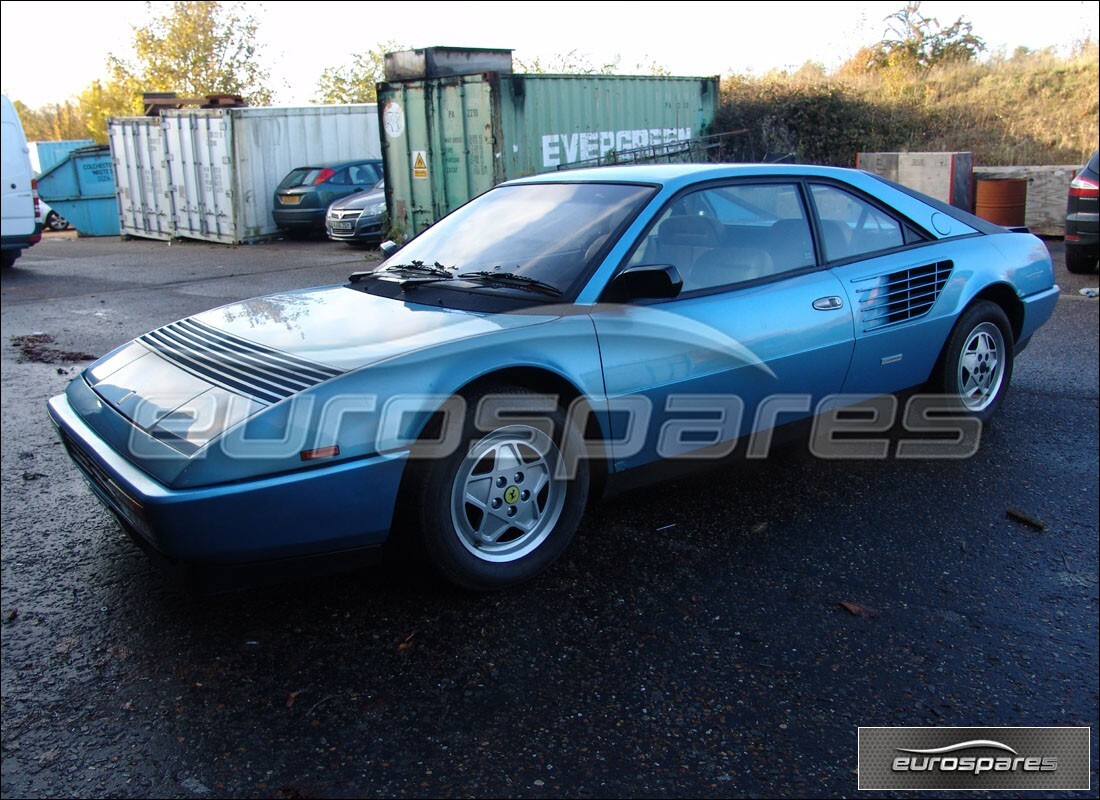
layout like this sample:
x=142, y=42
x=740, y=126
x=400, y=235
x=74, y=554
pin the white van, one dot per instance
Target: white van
x=22, y=225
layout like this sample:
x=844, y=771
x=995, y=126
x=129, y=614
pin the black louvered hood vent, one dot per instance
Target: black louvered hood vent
x=233, y=363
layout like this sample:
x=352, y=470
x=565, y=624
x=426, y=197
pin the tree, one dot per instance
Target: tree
x=916, y=43
x=52, y=122
x=198, y=48
x=84, y=117
x=103, y=100
x=358, y=82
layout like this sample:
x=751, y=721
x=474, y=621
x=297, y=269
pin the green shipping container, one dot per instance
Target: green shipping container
x=447, y=140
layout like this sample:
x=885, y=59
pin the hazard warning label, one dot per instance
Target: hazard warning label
x=420, y=164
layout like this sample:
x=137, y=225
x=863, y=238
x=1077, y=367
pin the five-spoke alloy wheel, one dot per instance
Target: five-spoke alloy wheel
x=505, y=504
x=976, y=366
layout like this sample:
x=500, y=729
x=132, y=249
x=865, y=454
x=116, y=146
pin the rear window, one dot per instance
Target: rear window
x=302, y=176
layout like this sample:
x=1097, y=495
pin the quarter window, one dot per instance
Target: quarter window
x=851, y=226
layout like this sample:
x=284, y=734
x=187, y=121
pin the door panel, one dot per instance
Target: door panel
x=748, y=343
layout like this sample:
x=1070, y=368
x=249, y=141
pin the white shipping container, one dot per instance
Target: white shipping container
x=145, y=206
x=223, y=165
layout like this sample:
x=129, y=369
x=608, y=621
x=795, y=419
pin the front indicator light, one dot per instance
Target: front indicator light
x=320, y=452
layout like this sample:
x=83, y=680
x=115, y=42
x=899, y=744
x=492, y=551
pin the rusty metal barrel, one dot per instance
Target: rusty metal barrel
x=1001, y=200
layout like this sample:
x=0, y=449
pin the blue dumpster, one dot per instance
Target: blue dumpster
x=81, y=188
x=48, y=154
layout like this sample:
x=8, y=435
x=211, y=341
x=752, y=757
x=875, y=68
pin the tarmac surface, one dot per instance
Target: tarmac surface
x=692, y=642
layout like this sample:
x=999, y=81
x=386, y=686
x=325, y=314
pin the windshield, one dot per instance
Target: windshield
x=545, y=233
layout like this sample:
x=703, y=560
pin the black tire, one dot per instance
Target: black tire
x=1081, y=260
x=9, y=258
x=976, y=364
x=505, y=485
x=56, y=222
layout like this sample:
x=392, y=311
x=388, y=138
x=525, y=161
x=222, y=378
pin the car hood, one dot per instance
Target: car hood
x=227, y=364
x=359, y=201
x=345, y=328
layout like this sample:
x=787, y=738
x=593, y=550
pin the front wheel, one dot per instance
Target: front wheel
x=976, y=366
x=504, y=506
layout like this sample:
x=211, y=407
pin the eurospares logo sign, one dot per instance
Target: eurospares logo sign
x=952, y=759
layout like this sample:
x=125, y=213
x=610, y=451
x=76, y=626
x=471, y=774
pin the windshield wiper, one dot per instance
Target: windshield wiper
x=413, y=272
x=511, y=279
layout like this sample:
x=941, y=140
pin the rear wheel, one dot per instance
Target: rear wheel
x=976, y=366
x=56, y=222
x=502, y=508
x=1081, y=260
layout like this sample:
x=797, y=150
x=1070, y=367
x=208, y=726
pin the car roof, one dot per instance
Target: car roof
x=683, y=174
x=360, y=199
x=673, y=178
x=340, y=164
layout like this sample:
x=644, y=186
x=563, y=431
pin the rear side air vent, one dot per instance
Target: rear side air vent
x=901, y=296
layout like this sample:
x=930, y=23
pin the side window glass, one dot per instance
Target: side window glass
x=340, y=178
x=851, y=226
x=363, y=175
x=727, y=235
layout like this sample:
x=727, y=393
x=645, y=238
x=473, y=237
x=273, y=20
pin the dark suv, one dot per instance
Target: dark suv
x=303, y=196
x=1083, y=219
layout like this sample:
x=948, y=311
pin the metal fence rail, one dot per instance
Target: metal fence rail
x=700, y=150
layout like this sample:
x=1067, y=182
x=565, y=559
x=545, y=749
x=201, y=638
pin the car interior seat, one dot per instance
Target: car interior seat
x=837, y=238
x=729, y=265
x=682, y=239
x=790, y=244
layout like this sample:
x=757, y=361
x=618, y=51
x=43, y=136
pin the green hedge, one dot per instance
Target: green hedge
x=1024, y=111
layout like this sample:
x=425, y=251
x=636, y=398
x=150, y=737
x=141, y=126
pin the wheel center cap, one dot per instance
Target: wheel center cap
x=511, y=495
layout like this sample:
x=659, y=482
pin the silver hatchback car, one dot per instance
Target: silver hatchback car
x=358, y=218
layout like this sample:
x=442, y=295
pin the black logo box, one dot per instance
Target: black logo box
x=1010, y=759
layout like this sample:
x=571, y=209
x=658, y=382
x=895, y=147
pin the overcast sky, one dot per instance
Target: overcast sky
x=51, y=51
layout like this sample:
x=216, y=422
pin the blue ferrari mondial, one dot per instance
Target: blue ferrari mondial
x=489, y=376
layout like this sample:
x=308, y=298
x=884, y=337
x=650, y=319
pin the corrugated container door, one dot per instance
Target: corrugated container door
x=402, y=110
x=467, y=126
x=438, y=145
x=201, y=172
x=141, y=176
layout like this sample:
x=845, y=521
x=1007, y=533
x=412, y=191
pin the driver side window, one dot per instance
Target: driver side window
x=726, y=235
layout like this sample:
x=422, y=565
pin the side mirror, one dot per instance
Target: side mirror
x=645, y=282
x=389, y=247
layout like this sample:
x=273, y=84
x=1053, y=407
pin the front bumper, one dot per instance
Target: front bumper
x=305, y=514
x=367, y=229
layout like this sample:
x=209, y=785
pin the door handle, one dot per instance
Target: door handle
x=828, y=303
